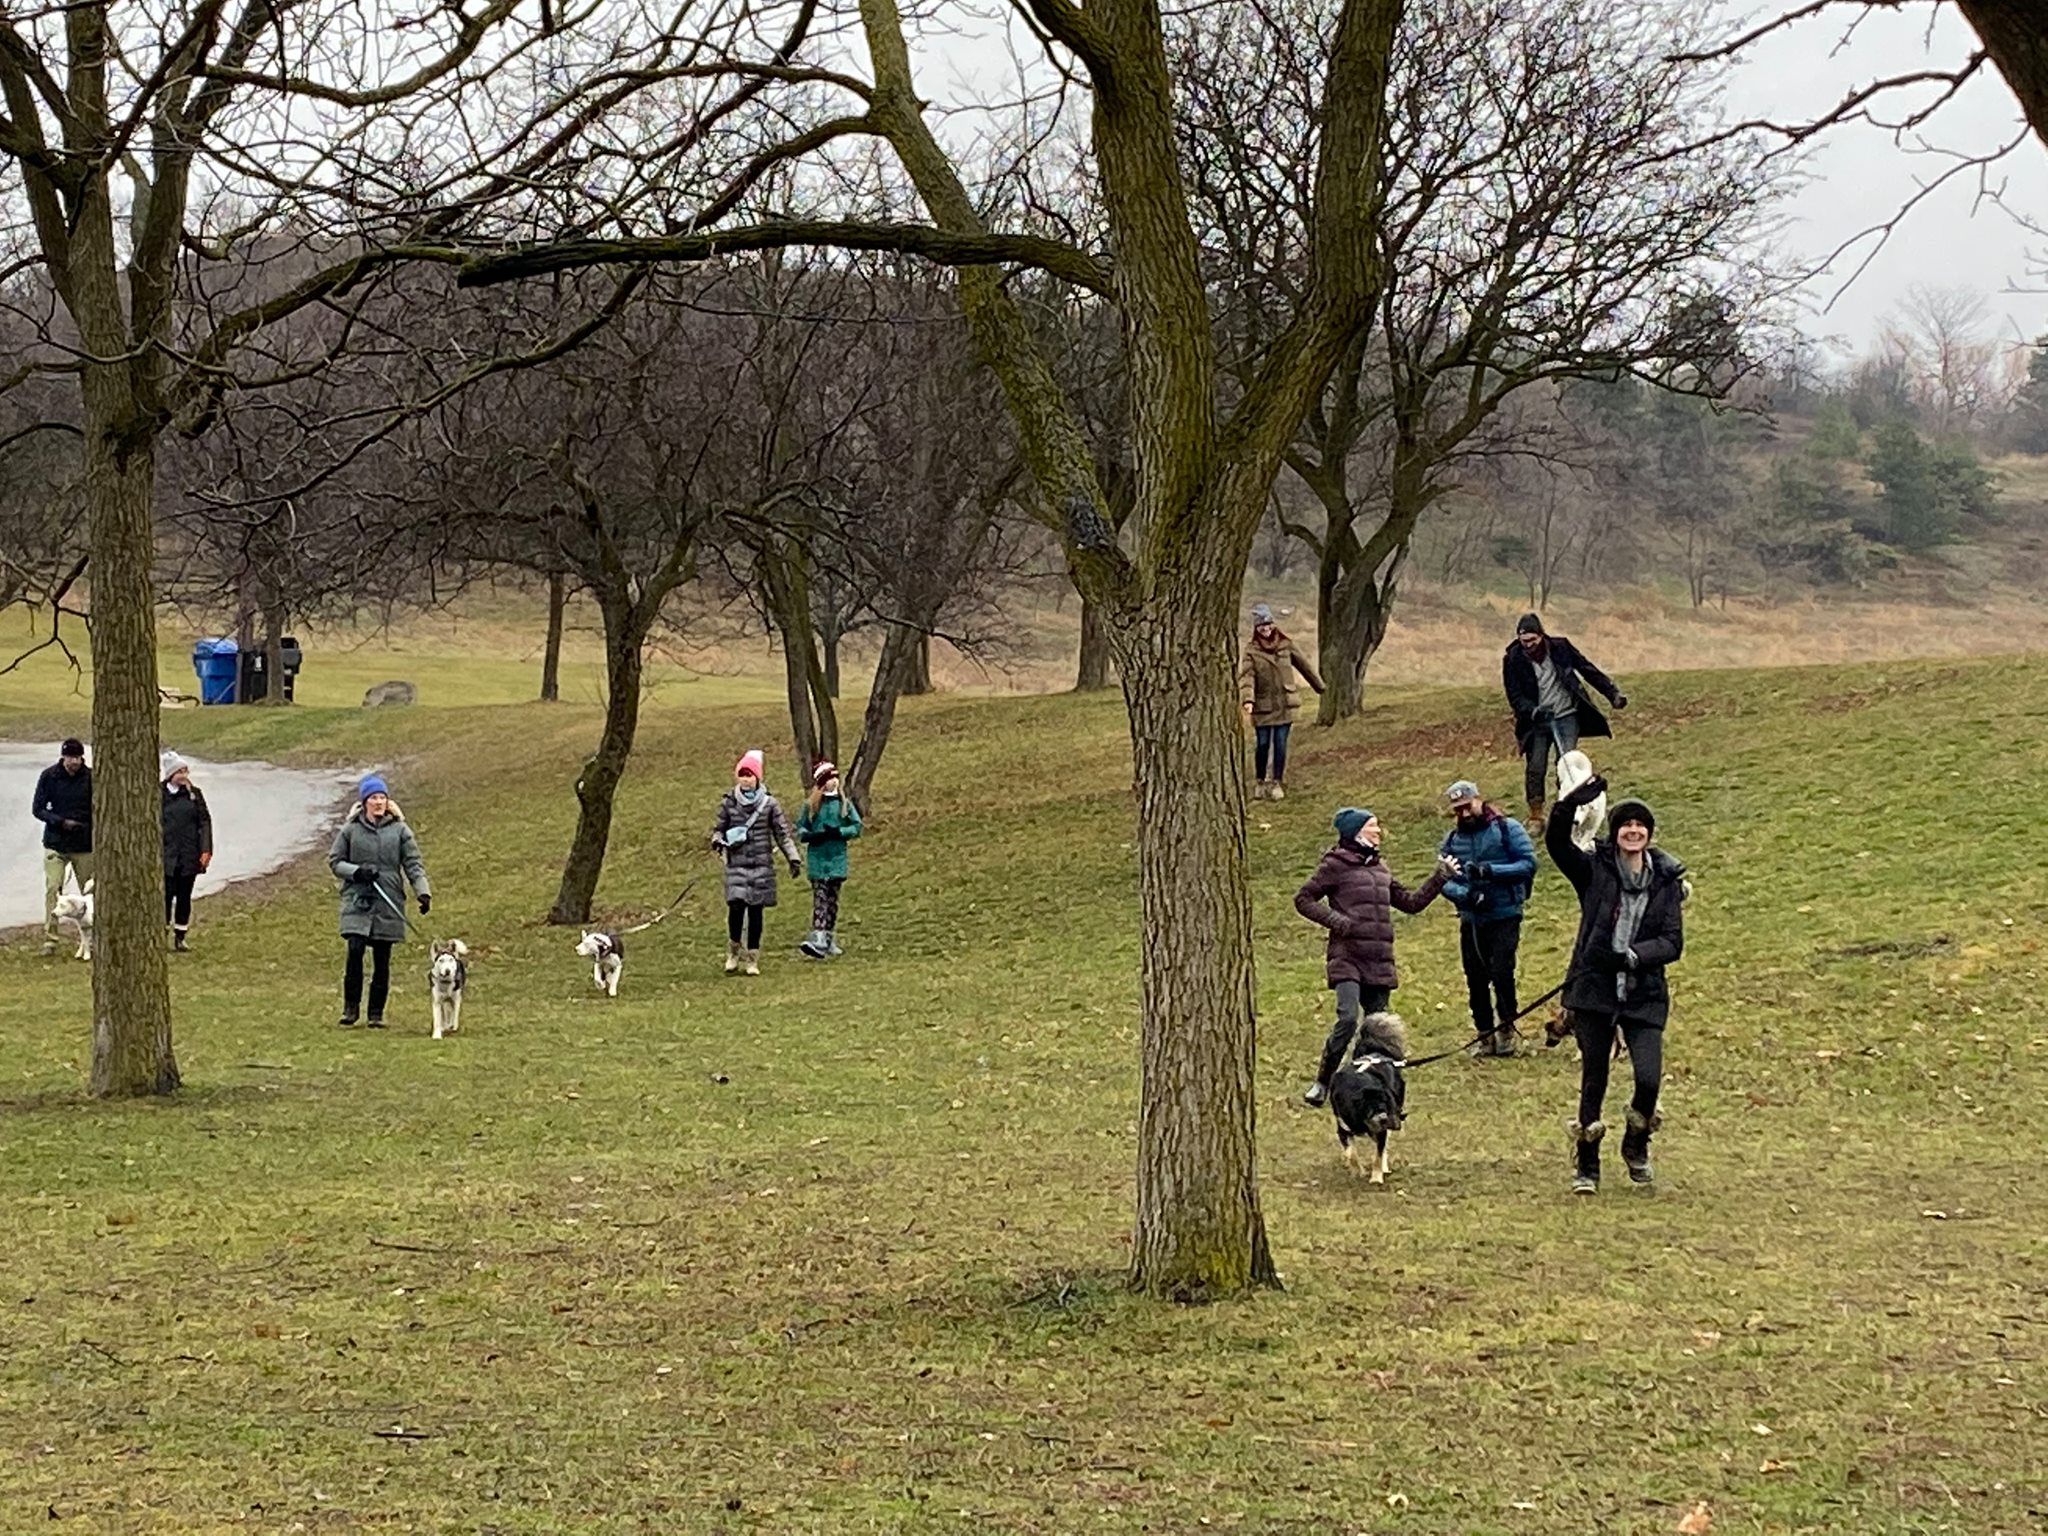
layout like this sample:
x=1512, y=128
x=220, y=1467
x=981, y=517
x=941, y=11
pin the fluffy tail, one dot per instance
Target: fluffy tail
x=1384, y=1033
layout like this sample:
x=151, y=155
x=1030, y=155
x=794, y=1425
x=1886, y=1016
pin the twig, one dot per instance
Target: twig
x=401, y=1434
x=378, y=1242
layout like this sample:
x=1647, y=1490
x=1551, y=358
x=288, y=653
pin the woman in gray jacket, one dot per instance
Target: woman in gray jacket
x=750, y=827
x=374, y=854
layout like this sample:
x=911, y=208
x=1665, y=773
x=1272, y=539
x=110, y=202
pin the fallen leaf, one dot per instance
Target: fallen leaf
x=1935, y=1215
x=1397, y=1501
x=1697, y=1522
x=1772, y=1466
x=1759, y=1429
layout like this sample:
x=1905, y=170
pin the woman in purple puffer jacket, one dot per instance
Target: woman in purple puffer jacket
x=1353, y=894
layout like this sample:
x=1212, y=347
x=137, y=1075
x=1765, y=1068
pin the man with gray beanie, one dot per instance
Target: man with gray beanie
x=1495, y=865
x=1545, y=676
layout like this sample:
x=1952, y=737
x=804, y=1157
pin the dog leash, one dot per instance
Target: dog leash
x=378, y=887
x=681, y=897
x=1507, y=1024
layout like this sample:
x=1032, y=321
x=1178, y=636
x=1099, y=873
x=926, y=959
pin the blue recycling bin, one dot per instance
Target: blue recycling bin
x=216, y=662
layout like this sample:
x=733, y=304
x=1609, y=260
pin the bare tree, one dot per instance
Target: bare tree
x=1939, y=334
x=1204, y=459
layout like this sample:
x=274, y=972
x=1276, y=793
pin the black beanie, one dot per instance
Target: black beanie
x=1528, y=624
x=1632, y=810
x=72, y=747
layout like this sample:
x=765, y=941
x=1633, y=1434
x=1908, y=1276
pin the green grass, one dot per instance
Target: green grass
x=840, y=1249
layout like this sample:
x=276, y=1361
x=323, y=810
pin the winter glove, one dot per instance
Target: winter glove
x=1479, y=871
x=795, y=869
x=205, y=858
x=1621, y=701
x=1603, y=959
x=364, y=874
x=425, y=903
x=1586, y=793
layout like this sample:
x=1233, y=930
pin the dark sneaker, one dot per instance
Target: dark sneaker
x=375, y=1022
x=1316, y=1096
x=1585, y=1184
x=348, y=1021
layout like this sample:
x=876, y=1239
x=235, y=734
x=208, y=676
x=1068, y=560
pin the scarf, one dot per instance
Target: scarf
x=1635, y=901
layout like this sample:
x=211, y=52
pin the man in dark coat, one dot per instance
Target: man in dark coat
x=63, y=804
x=1545, y=677
x=1353, y=894
x=1631, y=926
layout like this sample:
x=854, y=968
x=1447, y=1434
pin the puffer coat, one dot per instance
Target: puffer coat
x=750, y=863
x=388, y=847
x=188, y=831
x=1597, y=981
x=825, y=834
x=1353, y=894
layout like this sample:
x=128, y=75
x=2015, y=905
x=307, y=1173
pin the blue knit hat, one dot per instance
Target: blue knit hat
x=371, y=785
x=1348, y=821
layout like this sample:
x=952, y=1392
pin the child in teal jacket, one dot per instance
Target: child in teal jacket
x=826, y=825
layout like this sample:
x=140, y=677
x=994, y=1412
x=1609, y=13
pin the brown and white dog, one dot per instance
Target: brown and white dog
x=1369, y=1094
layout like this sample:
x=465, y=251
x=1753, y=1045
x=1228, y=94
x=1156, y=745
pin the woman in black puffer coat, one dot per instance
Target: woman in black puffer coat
x=188, y=844
x=1631, y=926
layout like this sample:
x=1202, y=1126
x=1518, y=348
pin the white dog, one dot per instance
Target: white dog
x=75, y=908
x=606, y=953
x=1573, y=769
x=446, y=973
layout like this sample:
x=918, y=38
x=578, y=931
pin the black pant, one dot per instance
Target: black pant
x=739, y=914
x=825, y=904
x=1488, y=950
x=1546, y=735
x=1354, y=1001
x=1270, y=741
x=178, y=900
x=352, y=975
x=1596, y=1048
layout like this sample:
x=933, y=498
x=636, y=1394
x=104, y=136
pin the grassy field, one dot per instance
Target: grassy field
x=839, y=1249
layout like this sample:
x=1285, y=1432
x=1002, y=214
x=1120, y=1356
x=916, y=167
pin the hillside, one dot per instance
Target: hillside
x=839, y=1249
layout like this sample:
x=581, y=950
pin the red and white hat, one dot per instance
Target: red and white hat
x=750, y=762
x=825, y=770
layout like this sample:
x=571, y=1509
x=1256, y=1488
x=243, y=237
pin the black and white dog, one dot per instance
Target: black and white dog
x=446, y=972
x=606, y=952
x=1369, y=1093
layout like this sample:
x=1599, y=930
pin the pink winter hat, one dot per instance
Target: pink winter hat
x=750, y=762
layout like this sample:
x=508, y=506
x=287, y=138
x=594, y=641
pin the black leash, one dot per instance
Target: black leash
x=1507, y=1024
x=681, y=897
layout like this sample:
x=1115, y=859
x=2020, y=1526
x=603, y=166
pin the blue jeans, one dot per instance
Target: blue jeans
x=1272, y=742
x=1560, y=732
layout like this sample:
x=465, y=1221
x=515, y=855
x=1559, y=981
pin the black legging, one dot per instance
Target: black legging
x=738, y=913
x=352, y=975
x=178, y=900
x=1596, y=1049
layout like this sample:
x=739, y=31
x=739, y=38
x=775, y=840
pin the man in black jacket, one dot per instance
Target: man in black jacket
x=1545, y=677
x=64, y=806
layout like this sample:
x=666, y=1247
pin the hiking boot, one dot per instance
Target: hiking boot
x=1504, y=1040
x=1585, y=1140
x=1635, y=1146
x=813, y=945
x=376, y=1021
x=1276, y=791
x=1535, y=822
x=732, y=957
x=1315, y=1096
x=348, y=1021
x=1259, y=790
x=750, y=962
x=178, y=942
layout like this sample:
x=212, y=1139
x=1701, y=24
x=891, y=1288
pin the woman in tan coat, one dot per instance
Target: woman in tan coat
x=1265, y=682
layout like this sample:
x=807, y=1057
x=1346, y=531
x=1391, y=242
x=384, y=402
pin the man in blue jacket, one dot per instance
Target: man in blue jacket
x=63, y=805
x=1496, y=864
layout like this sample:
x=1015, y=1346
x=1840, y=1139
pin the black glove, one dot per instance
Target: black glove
x=425, y=903
x=1621, y=701
x=364, y=875
x=1478, y=871
x=1601, y=957
x=1586, y=793
x=795, y=869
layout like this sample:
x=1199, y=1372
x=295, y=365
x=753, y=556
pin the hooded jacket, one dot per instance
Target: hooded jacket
x=1353, y=894
x=1518, y=678
x=1590, y=983
x=388, y=847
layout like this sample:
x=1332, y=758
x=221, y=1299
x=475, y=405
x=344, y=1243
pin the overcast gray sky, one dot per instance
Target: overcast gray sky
x=1862, y=176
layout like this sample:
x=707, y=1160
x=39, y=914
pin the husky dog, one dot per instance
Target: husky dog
x=75, y=908
x=606, y=952
x=1369, y=1094
x=446, y=972
x=1573, y=769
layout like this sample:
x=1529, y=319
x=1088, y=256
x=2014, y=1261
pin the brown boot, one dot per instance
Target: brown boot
x=1535, y=823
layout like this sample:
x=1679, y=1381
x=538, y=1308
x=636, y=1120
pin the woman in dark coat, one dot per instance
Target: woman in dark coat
x=750, y=828
x=1631, y=926
x=1353, y=894
x=188, y=844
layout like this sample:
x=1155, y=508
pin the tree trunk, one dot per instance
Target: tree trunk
x=131, y=1032
x=624, y=635
x=273, y=648
x=828, y=646
x=1092, y=675
x=920, y=679
x=2016, y=37
x=899, y=660
x=1199, y=1230
x=551, y=658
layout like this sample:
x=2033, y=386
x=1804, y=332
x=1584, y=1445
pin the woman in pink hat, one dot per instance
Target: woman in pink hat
x=750, y=828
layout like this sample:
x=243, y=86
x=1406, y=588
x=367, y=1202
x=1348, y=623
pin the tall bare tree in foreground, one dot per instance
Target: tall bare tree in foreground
x=1204, y=459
